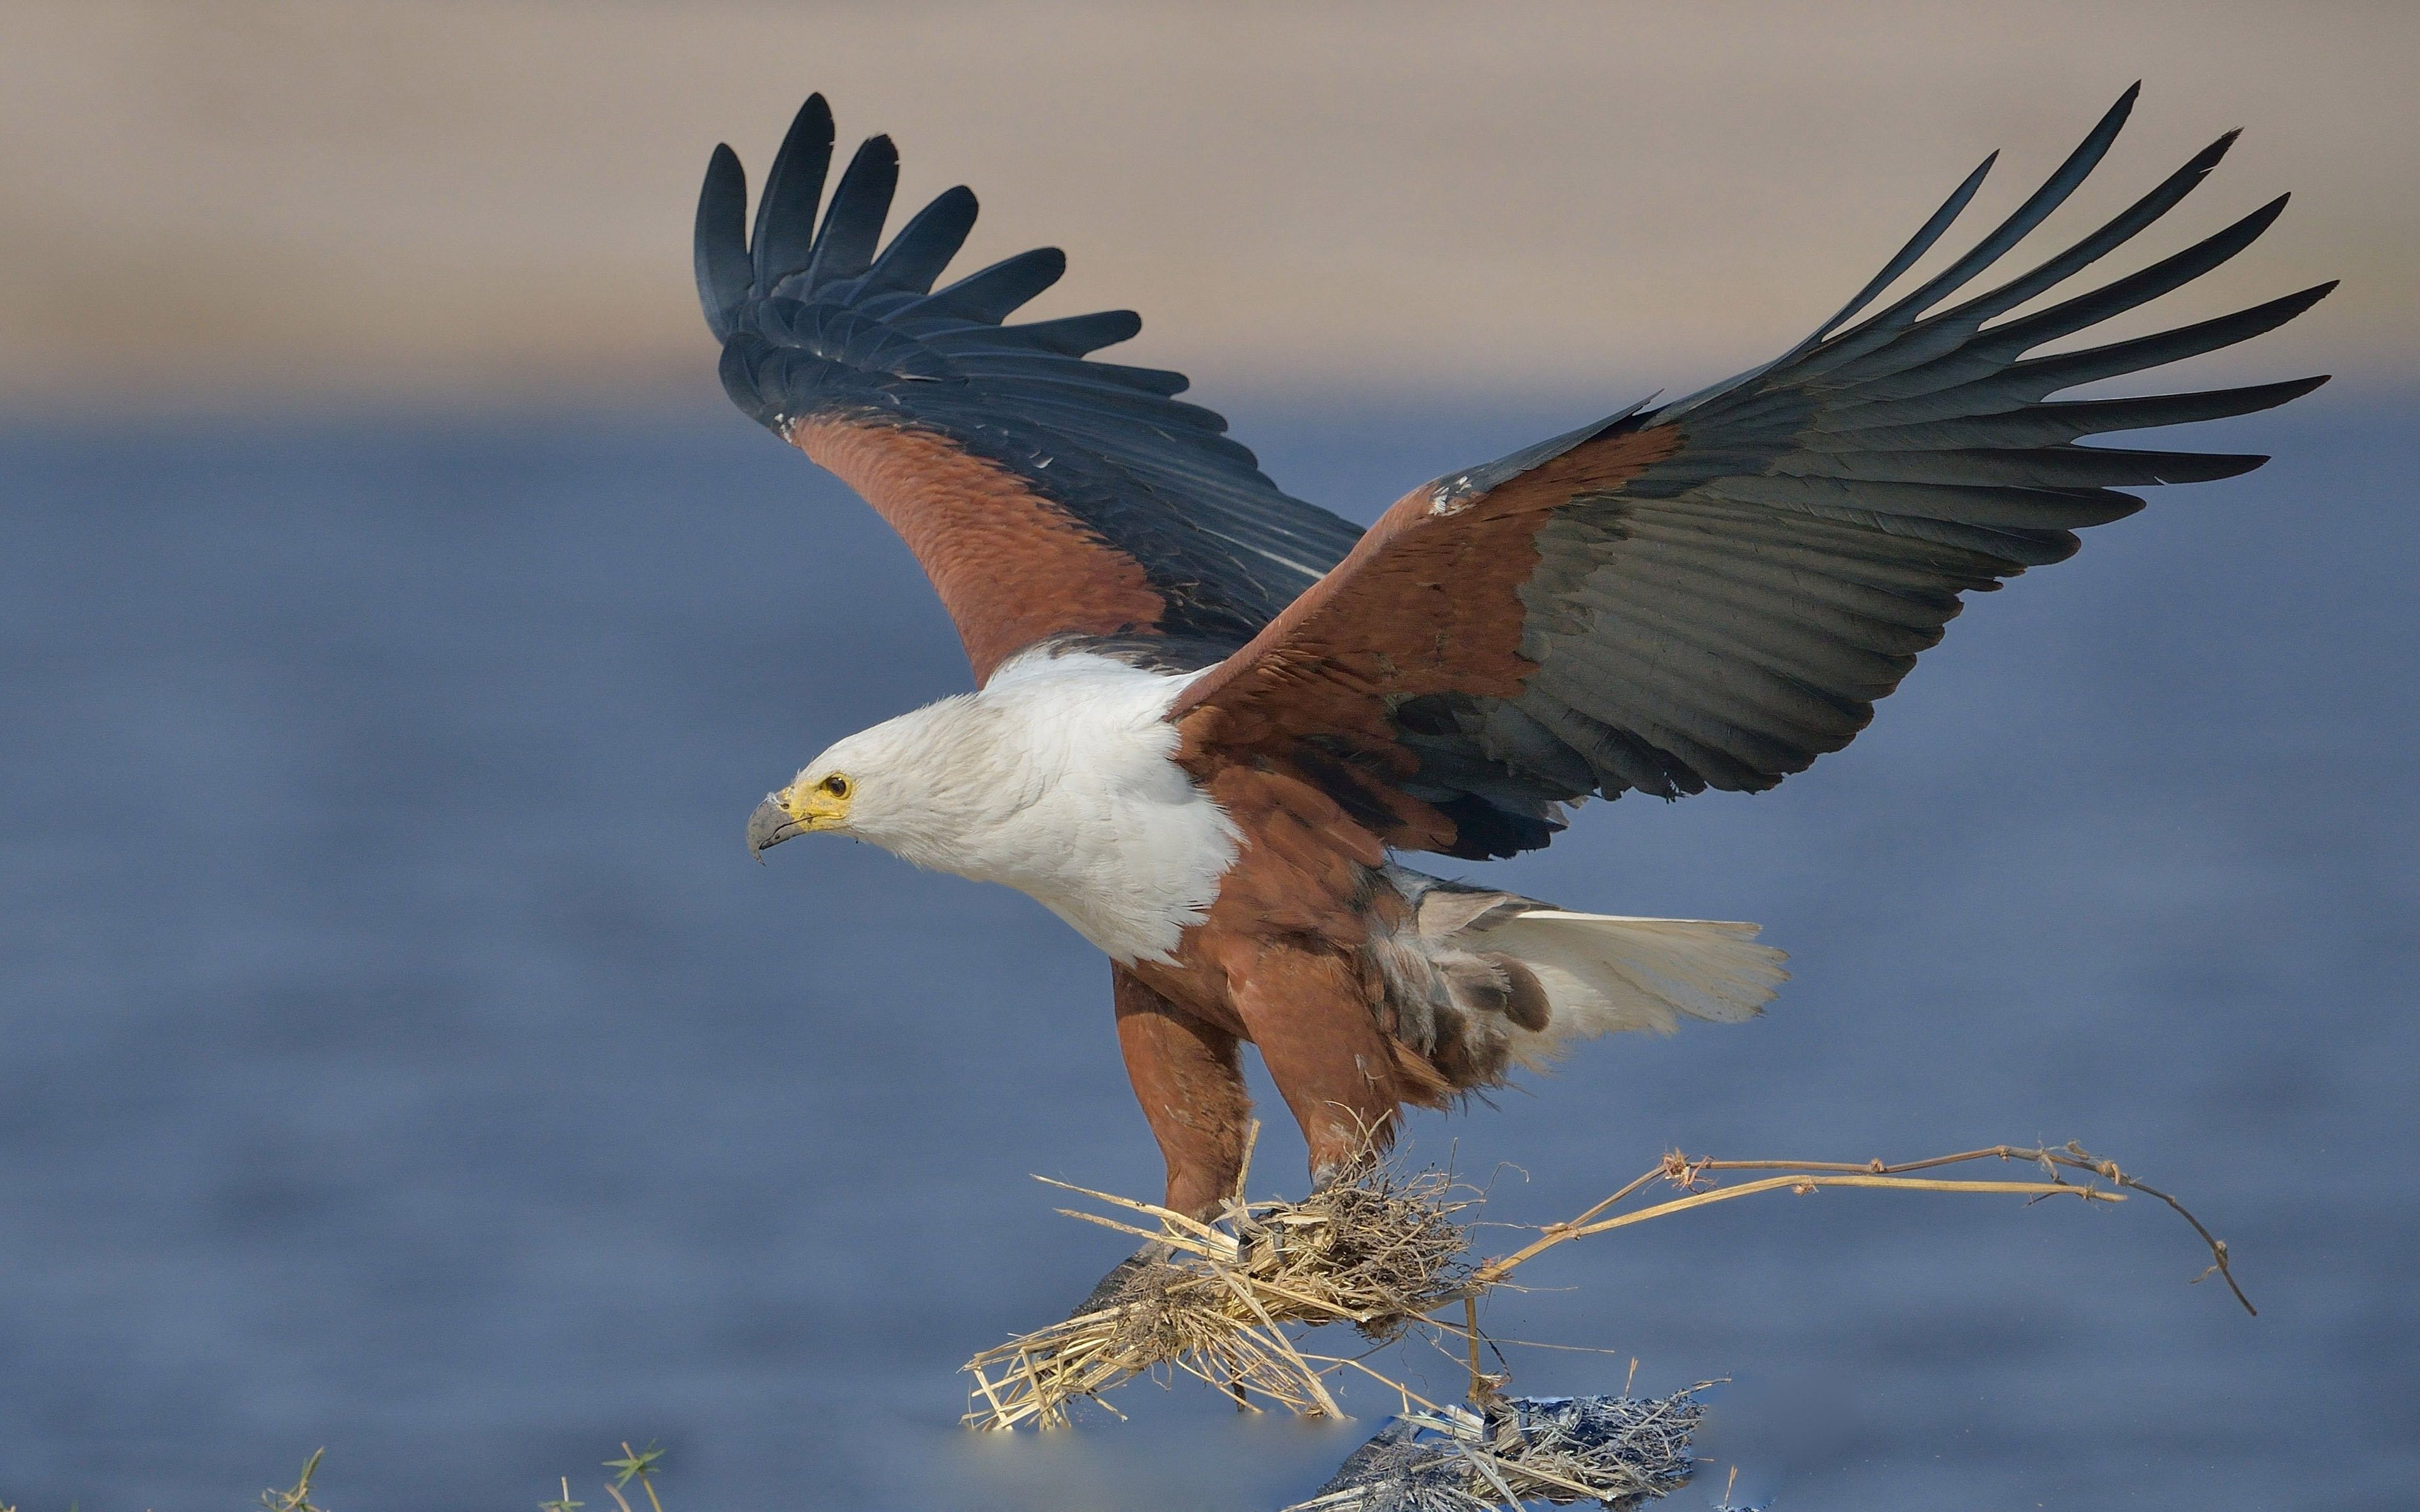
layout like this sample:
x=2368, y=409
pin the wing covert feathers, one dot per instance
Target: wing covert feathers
x=1045, y=494
x=1714, y=593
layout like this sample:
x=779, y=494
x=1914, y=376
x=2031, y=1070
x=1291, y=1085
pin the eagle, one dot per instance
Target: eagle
x=1209, y=718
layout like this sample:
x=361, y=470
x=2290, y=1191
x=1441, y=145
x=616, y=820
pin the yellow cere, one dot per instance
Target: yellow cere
x=818, y=805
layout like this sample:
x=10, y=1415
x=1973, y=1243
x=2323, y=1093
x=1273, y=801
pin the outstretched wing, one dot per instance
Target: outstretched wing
x=1045, y=495
x=1714, y=593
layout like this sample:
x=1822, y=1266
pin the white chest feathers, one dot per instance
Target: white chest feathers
x=1057, y=779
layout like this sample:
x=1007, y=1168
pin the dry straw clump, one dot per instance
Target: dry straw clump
x=1380, y=1253
x=1384, y=1252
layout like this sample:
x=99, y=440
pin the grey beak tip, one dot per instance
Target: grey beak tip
x=768, y=826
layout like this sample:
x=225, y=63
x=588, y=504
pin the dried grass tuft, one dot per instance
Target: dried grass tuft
x=1379, y=1253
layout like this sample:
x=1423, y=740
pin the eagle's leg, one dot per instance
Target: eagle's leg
x=1189, y=1076
x=1310, y=1013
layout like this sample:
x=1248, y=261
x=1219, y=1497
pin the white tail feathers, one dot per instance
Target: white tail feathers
x=1468, y=967
x=1603, y=974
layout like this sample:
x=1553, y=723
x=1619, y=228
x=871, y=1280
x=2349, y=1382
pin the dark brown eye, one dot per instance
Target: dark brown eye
x=836, y=785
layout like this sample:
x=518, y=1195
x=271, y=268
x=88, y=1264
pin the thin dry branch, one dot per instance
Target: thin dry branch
x=1806, y=1176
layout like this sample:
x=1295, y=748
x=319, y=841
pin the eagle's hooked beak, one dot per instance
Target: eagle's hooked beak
x=770, y=825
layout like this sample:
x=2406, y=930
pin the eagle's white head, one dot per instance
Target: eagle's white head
x=1056, y=779
x=930, y=786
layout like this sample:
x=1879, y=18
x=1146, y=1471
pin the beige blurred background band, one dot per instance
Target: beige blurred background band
x=345, y=203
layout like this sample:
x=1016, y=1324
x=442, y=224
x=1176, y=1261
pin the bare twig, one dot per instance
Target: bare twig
x=1806, y=1176
x=1496, y=1270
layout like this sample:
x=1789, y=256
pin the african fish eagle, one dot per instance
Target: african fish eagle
x=1209, y=715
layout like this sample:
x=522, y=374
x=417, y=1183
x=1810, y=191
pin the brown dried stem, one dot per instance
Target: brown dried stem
x=1806, y=1176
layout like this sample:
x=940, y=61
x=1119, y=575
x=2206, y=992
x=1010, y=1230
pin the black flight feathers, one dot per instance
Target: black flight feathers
x=1925, y=414
x=1734, y=611
x=824, y=321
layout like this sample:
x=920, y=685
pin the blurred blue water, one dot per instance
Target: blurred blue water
x=397, y=1051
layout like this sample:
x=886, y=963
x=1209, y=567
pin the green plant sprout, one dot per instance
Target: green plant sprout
x=298, y=1498
x=640, y=1465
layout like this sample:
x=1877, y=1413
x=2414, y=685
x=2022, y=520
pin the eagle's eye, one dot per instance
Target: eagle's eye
x=836, y=785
